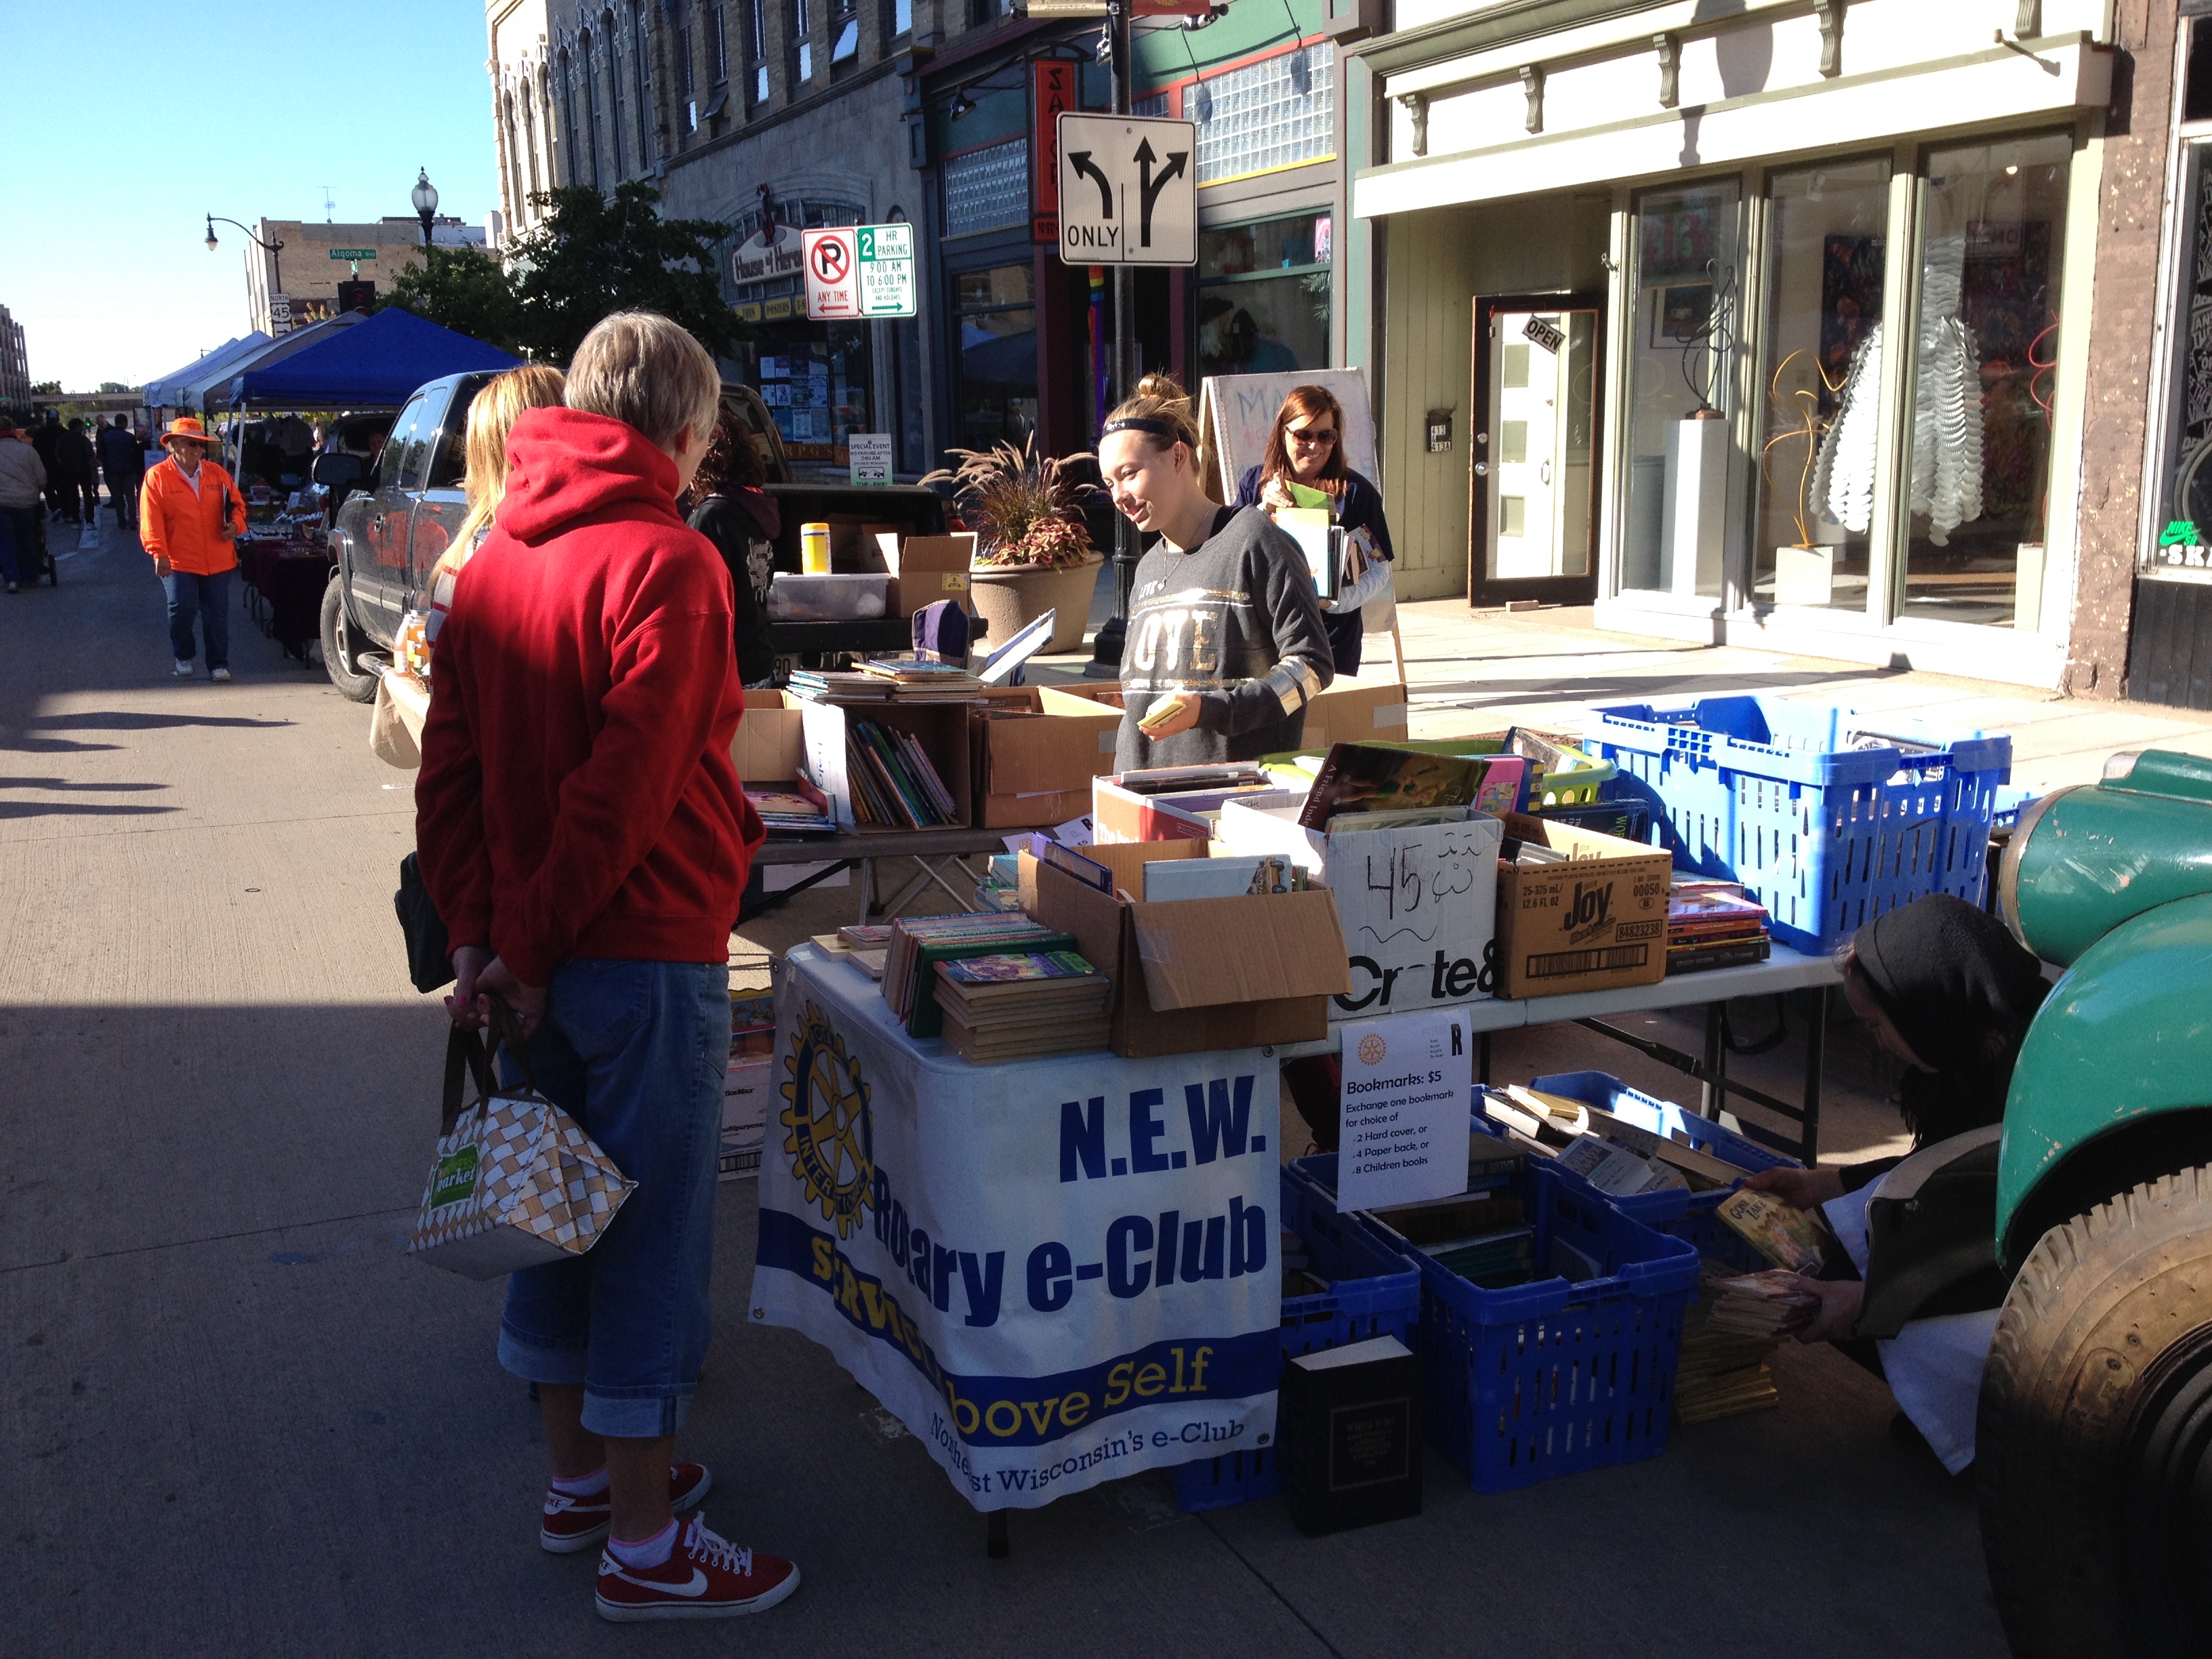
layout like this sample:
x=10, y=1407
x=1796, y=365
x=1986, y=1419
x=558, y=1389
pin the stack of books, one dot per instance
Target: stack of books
x=1483, y=1236
x=923, y=679
x=919, y=943
x=864, y=947
x=894, y=785
x=1713, y=924
x=1732, y=1328
x=1363, y=787
x=797, y=808
x=1021, y=1004
x=830, y=685
x=1000, y=890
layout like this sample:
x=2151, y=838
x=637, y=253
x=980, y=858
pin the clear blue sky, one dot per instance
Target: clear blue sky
x=128, y=122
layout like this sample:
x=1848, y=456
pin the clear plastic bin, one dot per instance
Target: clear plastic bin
x=827, y=599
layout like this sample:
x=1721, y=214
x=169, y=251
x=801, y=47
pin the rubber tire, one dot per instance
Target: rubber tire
x=2099, y=1300
x=338, y=654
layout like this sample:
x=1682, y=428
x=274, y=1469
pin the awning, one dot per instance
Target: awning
x=373, y=365
x=217, y=395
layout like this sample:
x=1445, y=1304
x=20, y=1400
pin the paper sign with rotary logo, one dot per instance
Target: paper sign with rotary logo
x=517, y=1182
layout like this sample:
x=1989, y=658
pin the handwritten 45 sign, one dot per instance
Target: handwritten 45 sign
x=1128, y=190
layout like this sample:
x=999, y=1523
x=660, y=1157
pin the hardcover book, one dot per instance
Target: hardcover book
x=1351, y=1435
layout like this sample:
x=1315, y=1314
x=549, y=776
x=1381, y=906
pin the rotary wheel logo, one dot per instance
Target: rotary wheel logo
x=832, y=1139
x=1372, y=1049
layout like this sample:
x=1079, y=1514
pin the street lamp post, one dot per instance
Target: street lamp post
x=275, y=251
x=426, y=202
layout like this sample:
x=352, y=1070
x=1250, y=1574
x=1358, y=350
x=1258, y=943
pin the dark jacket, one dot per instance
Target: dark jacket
x=73, y=461
x=743, y=525
x=1360, y=508
x=121, y=455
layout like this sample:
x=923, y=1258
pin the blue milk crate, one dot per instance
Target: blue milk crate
x=1827, y=836
x=1552, y=1376
x=1374, y=1291
x=1678, y=1215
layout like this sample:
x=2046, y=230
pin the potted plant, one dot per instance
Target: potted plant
x=1032, y=553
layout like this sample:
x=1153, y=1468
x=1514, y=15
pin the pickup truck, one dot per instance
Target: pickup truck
x=390, y=531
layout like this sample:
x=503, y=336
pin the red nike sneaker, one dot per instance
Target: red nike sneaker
x=704, y=1577
x=576, y=1523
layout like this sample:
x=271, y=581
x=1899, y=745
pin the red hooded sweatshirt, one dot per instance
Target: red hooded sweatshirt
x=577, y=797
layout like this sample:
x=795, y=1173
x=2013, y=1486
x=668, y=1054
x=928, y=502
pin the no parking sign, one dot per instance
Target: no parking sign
x=831, y=261
x=860, y=271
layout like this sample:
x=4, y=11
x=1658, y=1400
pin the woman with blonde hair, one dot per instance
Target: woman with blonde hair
x=1305, y=450
x=1224, y=647
x=491, y=417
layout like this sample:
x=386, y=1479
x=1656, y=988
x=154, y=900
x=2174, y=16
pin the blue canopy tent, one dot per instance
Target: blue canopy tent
x=373, y=365
x=170, y=391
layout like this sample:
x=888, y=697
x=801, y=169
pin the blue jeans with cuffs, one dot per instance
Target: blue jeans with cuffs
x=635, y=1052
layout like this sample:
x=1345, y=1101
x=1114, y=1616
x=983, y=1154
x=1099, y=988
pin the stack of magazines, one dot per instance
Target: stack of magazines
x=830, y=685
x=1021, y=1004
x=797, y=808
x=894, y=785
x=1713, y=924
x=1734, y=1325
x=919, y=943
x=923, y=679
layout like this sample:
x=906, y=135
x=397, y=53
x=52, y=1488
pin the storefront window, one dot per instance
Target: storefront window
x=1983, y=379
x=814, y=377
x=1820, y=442
x=2185, y=511
x=997, y=318
x=1682, y=353
x=1263, y=296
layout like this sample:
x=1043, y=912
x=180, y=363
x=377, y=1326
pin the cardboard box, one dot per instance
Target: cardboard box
x=1595, y=923
x=771, y=747
x=1123, y=815
x=941, y=729
x=1032, y=767
x=1418, y=903
x=1202, y=974
x=1356, y=711
x=929, y=568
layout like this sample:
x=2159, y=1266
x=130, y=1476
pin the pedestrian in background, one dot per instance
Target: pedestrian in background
x=583, y=834
x=190, y=518
x=1305, y=447
x=78, y=470
x=45, y=438
x=741, y=518
x=123, y=463
x=22, y=484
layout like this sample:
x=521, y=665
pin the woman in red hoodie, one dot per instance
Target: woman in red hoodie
x=583, y=835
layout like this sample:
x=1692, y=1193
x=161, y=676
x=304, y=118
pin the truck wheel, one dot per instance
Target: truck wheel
x=340, y=652
x=2094, y=1444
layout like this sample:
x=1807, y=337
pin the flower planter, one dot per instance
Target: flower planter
x=1011, y=597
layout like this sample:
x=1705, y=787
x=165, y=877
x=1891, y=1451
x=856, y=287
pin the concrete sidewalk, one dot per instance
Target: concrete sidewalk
x=235, y=1419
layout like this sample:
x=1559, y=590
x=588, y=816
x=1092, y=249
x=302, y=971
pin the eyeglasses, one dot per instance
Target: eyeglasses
x=1307, y=435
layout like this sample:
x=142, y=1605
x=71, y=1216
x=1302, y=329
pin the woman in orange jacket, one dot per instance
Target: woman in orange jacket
x=189, y=518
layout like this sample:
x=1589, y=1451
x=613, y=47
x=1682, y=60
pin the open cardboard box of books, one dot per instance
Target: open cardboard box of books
x=1198, y=973
x=1593, y=919
x=1034, y=764
x=941, y=730
x=928, y=568
x=771, y=747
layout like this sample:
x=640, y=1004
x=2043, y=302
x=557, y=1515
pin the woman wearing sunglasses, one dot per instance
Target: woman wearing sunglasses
x=1306, y=447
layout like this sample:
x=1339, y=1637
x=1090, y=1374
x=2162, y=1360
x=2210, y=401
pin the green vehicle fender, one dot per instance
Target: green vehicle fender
x=2114, y=1080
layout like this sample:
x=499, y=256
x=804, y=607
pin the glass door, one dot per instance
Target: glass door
x=1533, y=475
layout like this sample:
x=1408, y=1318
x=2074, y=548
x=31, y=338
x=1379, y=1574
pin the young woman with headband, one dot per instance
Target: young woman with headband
x=1306, y=447
x=1226, y=645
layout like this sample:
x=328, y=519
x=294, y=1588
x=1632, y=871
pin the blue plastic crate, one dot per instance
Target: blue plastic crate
x=1374, y=1291
x=1764, y=791
x=1687, y=1216
x=1551, y=1377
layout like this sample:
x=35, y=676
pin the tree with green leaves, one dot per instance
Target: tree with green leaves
x=595, y=254
x=462, y=289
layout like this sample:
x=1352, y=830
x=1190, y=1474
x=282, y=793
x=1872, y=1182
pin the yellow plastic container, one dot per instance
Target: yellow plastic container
x=814, y=550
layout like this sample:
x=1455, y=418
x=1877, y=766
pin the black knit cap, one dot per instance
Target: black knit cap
x=1949, y=976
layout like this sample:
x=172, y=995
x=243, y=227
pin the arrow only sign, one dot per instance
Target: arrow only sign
x=1128, y=190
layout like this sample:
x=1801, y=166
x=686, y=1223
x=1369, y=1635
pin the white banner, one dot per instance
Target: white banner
x=1055, y=1272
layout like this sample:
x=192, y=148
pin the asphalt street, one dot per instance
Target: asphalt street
x=234, y=1418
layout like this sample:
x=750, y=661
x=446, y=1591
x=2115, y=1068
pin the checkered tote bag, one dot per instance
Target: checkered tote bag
x=517, y=1182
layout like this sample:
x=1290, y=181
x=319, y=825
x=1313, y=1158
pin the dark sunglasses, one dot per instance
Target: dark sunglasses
x=1310, y=436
